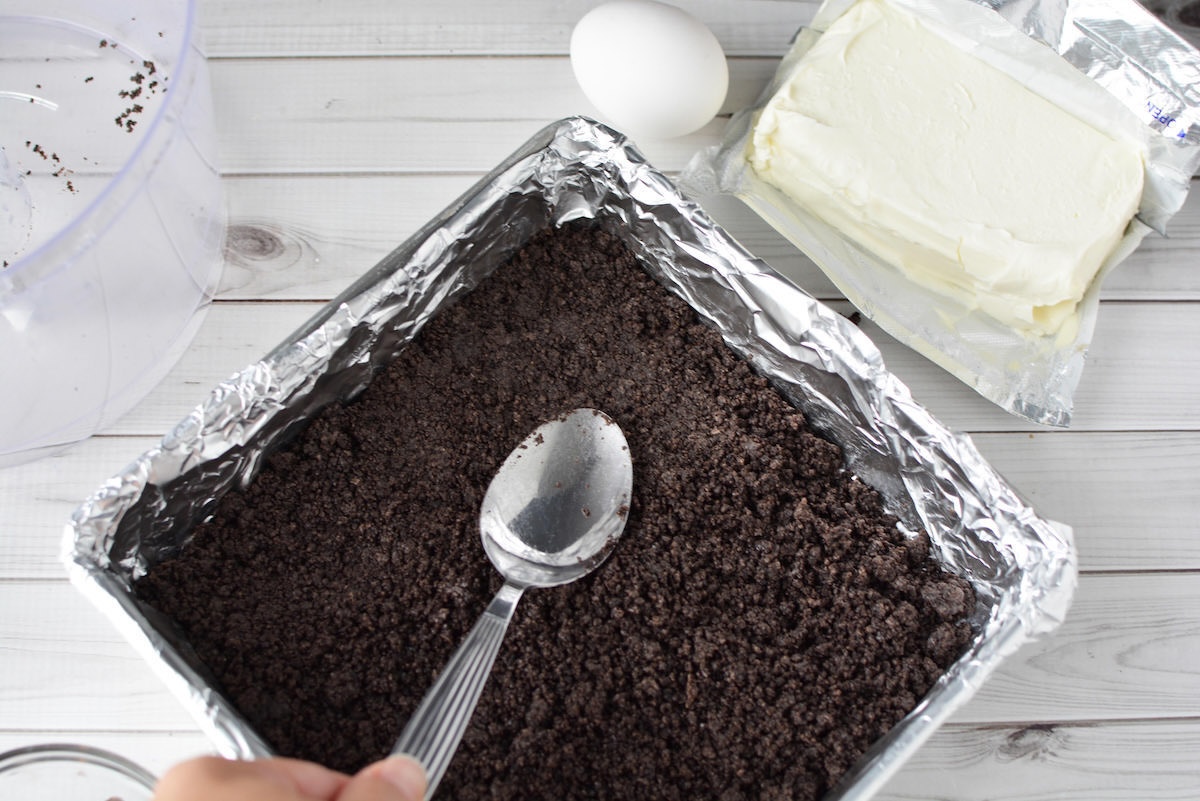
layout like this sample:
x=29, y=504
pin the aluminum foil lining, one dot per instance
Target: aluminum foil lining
x=1023, y=566
x=1143, y=86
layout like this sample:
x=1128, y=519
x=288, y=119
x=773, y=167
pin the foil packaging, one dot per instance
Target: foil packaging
x=1022, y=566
x=1142, y=85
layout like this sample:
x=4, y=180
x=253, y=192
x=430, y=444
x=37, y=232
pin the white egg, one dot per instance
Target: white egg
x=649, y=68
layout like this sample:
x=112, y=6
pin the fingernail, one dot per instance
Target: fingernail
x=405, y=774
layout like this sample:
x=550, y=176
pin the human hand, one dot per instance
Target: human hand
x=216, y=779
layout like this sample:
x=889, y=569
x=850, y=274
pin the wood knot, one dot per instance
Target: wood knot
x=249, y=243
x=259, y=256
x=1037, y=742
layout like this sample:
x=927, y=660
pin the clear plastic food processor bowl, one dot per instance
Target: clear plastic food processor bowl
x=111, y=214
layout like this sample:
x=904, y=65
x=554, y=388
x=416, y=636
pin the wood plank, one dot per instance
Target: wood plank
x=1130, y=497
x=1129, y=494
x=38, y=499
x=463, y=27
x=1047, y=762
x=1128, y=650
x=1142, y=375
x=345, y=126
x=413, y=114
x=233, y=336
x=1100, y=762
x=1163, y=264
x=434, y=114
x=67, y=667
x=276, y=28
x=305, y=237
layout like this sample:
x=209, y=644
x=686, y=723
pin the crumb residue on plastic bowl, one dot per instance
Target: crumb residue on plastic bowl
x=111, y=207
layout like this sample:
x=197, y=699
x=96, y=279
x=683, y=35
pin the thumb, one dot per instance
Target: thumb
x=398, y=778
x=208, y=777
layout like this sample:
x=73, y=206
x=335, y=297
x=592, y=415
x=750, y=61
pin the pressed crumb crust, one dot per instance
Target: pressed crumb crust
x=761, y=622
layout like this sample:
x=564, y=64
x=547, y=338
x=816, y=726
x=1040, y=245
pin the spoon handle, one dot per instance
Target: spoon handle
x=433, y=732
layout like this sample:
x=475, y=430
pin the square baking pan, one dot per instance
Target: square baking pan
x=1023, y=567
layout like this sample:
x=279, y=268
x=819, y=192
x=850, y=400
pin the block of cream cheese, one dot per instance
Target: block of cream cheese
x=947, y=168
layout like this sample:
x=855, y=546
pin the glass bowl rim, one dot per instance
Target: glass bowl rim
x=70, y=752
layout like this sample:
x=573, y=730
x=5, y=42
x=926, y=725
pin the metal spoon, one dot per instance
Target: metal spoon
x=552, y=513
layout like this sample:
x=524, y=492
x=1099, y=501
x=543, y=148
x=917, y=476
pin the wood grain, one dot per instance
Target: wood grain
x=1047, y=762
x=1125, y=517
x=1142, y=373
x=1094, y=762
x=1130, y=648
x=38, y=500
x=464, y=27
x=1129, y=496
x=343, y=127
x=418, y=115
x=305, y=237
x=1138, y=377
x=67, y=667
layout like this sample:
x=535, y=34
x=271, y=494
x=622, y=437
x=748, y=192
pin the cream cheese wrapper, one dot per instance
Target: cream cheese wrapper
x=971, y=202
x=904, y=162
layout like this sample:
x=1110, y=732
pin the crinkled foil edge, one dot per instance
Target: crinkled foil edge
x=1147, y=78
x=1022, y=566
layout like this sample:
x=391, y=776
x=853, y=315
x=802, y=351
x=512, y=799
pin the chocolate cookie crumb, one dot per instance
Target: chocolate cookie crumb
x=760, y=624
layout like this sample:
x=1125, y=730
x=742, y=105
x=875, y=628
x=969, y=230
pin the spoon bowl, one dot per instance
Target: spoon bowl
x=557, y=506
x=553, y=513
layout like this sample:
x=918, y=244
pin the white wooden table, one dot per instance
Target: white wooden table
x=344, y=126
